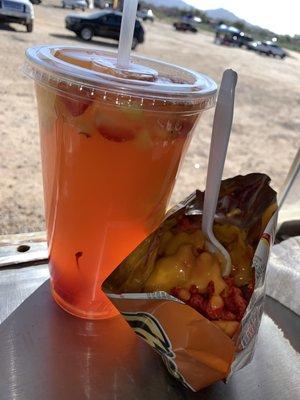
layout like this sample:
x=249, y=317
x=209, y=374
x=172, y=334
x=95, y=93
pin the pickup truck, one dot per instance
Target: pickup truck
x=17, y=11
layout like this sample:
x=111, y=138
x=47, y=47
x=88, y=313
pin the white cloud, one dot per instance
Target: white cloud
x=279, y=16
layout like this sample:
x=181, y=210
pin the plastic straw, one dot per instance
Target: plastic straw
x=126, y=34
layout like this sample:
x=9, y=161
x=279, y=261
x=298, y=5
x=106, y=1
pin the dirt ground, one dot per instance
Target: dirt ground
x=265, y=137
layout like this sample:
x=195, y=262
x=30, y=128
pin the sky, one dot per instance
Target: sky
x=280, y=16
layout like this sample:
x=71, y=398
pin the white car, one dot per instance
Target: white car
x=82, y=4
x=269, y=48
x=146, y=15
x=274, y=49
x=17, y=11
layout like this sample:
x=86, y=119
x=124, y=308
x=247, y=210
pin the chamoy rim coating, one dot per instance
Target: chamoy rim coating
x=62, y=67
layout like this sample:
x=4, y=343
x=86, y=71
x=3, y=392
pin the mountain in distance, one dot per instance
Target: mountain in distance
x=170, y=3
x=222, y=14
x=215, y=14
x=219, y=14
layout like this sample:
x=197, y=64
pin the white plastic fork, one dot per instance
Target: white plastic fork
x=218, y=149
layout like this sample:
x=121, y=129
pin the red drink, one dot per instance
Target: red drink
x=110, y=159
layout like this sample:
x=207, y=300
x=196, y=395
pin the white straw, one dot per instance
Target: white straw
x=126, y=34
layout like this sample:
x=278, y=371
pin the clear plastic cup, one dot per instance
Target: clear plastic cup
x=111, y=144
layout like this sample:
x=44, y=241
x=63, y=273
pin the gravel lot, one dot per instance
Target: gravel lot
x=266, y=131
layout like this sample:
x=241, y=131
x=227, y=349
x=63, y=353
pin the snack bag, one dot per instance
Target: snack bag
x=171, y=291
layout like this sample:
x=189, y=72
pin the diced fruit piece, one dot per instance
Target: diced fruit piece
x=228, y=327
x=172, y=271
x=121, y=126
x=73, y=105
x=115, y=133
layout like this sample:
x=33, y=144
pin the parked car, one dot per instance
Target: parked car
x=185, y=26
x=238, y=39
x=146, y=15
x=242, y=40
x=231, y=36
x=102, y=4
x=269, y=48
x=104, y=23
x=82, y=4
x=17, y=11
x=276, y=50
x=256, y=46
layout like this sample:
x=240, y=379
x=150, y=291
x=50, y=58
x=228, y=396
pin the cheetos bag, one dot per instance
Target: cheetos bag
x=196, y=350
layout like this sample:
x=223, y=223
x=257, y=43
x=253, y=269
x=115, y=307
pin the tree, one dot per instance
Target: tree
x=240, y=25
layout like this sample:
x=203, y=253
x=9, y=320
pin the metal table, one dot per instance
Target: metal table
x=47, y=354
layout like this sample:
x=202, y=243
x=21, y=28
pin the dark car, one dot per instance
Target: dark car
x=106, y=24
x=185, y=26
x=243, y=40
x=231, y=36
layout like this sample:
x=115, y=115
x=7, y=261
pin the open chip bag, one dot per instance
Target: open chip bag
x=171, y=291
